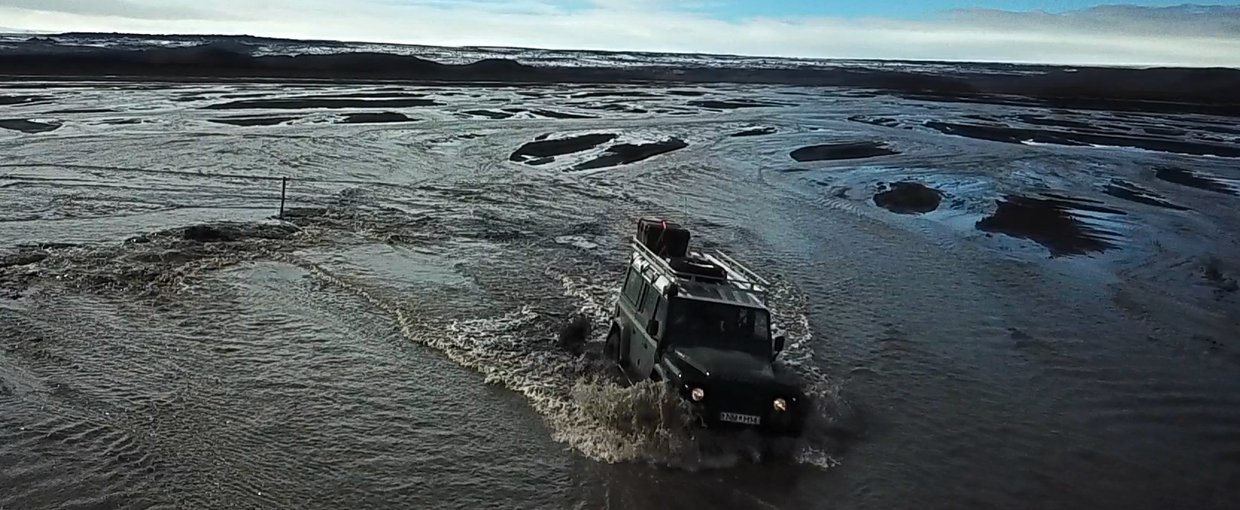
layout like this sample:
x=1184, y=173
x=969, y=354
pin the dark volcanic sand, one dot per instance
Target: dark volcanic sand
x=732, y=104
x=1193, y=179
x=756, y=132
x=1050, y=223
x=375, y=118
x=1017, y=135
x=857, y=150
x=559, y=147
x=626, y=153
x=1129, y=191
x=27, y=126
x=616, y=107
x=248, y=121
x=561, y=115
x=19, y=100
x=300, y=103
x=491, y=114
x=81, y=110
x=372, y=95
x=909, y=198
x=613, y=93
x=877, y=121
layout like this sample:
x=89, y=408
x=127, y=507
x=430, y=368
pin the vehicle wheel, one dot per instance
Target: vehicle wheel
x=611, y=349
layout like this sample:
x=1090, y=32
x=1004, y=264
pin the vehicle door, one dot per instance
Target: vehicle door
x=626, y=311
x=643, y=347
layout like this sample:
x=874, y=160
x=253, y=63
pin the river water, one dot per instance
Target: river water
x=391, y=341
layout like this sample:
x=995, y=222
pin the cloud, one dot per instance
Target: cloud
x=1184, y=20
x=1114, y=35
x=131, y=9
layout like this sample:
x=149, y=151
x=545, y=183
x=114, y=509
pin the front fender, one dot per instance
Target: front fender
x=668, y=371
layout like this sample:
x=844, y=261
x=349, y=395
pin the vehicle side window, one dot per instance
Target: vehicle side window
x=650, y=301
x=761, y=327
x=633, y=287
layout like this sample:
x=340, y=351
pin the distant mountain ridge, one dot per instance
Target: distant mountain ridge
x=1198, y=90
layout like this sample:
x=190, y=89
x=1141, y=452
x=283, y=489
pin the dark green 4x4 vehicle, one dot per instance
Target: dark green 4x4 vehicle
x=700, y=323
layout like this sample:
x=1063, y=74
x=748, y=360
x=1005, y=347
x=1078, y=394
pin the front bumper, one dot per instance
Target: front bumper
x=725, y=414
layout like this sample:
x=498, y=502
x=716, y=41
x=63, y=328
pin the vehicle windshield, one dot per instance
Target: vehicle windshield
x=694, y=323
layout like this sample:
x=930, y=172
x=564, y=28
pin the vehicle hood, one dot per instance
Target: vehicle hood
x=725, y=364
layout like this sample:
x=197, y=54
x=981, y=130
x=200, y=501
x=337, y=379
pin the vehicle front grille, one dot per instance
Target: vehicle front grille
x=740, y=398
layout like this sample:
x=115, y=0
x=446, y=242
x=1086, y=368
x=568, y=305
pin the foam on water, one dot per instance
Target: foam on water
x=579, y=397
x=699, y=448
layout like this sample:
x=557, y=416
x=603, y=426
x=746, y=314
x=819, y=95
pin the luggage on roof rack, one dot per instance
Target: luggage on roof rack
x=664, y=238
x=678, y=264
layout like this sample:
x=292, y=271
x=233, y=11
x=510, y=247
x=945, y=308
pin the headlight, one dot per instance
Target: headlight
x=697, y=394
x=781, y=405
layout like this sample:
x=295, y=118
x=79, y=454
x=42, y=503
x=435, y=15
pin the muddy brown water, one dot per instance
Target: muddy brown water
x=392, y=342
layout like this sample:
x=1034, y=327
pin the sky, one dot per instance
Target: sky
x=1073, y=32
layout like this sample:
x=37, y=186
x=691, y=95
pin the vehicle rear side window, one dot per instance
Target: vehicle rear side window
x=650, y=302
x=633, y=287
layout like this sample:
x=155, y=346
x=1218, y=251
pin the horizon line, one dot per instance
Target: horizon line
x=1030, y=63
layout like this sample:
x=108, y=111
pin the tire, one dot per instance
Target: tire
x=698, y=267
x=611, y=349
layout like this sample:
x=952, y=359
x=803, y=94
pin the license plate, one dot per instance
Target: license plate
x=747, y=419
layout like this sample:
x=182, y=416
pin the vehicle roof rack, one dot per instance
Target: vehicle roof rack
x=740, y=279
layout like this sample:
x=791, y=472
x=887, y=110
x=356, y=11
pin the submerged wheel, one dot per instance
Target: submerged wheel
x=611, y=349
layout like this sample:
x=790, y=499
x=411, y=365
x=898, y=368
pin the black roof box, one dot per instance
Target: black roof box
x=664, y=238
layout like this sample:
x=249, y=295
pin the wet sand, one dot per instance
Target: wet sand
x=839, y=151
x=1019, y=135
x=1195, y=180
x=247, y=120
x=624, y=154
x=756, y=132
x=1051, y=222
x=1130, y=191
x=375, y=118
x=552, y=114
x=299, y=104
x=27, y=126
x=733, y=104
x=490, y=114
x=23, y=100
x=559, y=147
x=908, y=198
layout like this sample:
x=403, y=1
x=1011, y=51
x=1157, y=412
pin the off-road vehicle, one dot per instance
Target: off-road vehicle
x=699, y=322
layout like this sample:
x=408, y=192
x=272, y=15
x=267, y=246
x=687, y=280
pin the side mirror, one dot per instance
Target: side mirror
x=779, y=344
x=652, y=327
